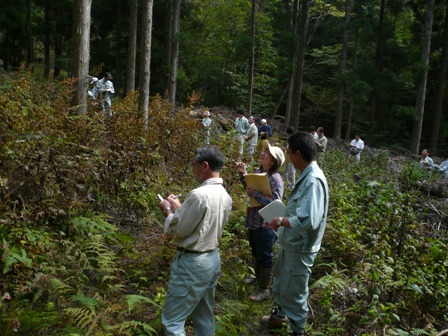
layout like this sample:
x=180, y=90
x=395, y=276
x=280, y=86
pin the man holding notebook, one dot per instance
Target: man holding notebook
x=300, y=234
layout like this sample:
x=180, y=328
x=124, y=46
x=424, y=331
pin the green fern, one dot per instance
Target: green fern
x=85, y=226
x=134, y=300
x=13, y=256
x=133, y=328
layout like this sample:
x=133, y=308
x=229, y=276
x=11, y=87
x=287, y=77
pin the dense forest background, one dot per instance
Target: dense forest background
x=82, y=250
x=377, y=67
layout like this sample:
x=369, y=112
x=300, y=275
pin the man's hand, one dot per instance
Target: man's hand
x=165, y=206
x=174, y=202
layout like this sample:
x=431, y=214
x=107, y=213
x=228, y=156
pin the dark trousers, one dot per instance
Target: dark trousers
x=261, y=241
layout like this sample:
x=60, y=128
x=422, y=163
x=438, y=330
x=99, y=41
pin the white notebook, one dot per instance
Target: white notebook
x=274, y=209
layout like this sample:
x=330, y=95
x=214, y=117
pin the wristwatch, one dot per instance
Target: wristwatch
x=280, y=221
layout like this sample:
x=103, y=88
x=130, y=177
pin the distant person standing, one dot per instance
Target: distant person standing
x=312, y=131
x=289, y=172
x=241, y=126
x=264, y=133
x=106, y=88
x=426, y=162
x=321, y=144
x=93, y=93
x=443, y=167
x=356, y=147
x=251, y=138
x=206, y=122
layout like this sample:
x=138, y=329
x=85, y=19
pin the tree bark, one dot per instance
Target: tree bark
x=81, y=52
x=132, y=47
x=295, y=24
x=351, y=99
x=342, y=70
x=145, y=60
x=440, y=87
x=421, y=89
x=298, y=78
x=29, y=35
x=378, y=68
x=118, y=31
x=251, y=72
x=174, y=52
x=47, y=41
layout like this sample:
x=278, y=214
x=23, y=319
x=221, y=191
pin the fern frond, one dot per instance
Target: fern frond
x=87, y=302
x=60, y=287
x=133, y=327
x=133, y=300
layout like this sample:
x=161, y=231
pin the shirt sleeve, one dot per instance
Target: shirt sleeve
x=309, y=211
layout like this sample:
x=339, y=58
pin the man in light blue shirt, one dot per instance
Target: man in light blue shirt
x=300, y=235
x=241, y=126
x=106, y=87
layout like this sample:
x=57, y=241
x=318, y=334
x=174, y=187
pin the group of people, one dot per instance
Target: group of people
x=250, y=136
x=427, y=163
x=103, y=87
x=197, y=225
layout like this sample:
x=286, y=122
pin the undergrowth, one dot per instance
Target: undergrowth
x=81, y=242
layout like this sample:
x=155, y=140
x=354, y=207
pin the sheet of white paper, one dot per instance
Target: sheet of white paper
x=274, y=209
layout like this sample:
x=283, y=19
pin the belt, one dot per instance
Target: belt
x=183, y=250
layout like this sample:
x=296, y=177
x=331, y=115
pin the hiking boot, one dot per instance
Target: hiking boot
x=273, y=321
x=261, y=295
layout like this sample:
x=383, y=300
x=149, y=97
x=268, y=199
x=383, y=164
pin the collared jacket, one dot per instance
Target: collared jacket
x=242, y=125
x=199, y=222
x=306, y=211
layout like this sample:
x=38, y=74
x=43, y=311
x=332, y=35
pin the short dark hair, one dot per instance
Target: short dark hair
x=312, y=128
x=241, y=111
x=320, y=129
x=212, y=155
x=303, y=142
x=290, y=130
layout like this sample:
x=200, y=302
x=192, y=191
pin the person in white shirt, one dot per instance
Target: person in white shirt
x=106, y=88
x=312, y=131
x=426, y=162
x=206, y=123
x=356, y=147
x=241, y=126
x=443, y=167
x=197, y=224
x=251, y=138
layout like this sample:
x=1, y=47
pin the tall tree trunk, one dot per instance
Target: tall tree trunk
x=378, y=68
x=174, y=52
x=81, y=52
x=57, y=53
x=29, y=35
x=295, y=24
x=132, y=47
x=440, y=87
x=145, y=60
x=118, y=30
x=47, y=41
x=351, y=99
x=421, y=89
x=342, y=68
x=251, y=72
x=298, y=78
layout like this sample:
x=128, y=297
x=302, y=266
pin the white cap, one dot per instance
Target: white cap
x=94, y=79
x=263, y=121
x=275, y=151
